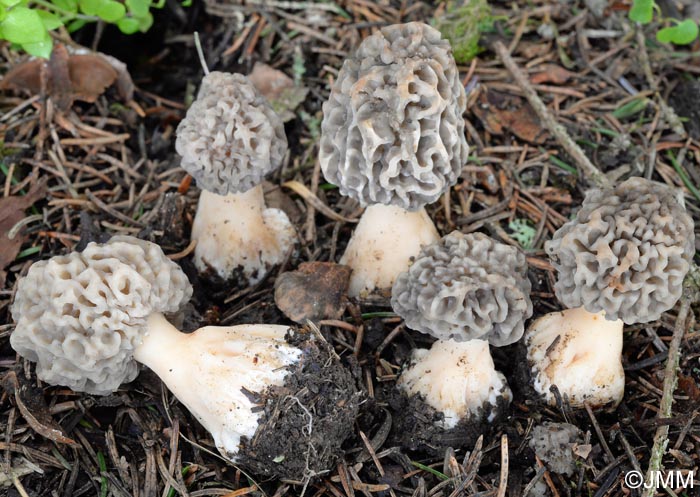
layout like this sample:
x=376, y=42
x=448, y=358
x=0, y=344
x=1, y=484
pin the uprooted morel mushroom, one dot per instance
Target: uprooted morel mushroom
x=623, y=259
x=273, y=399
x=229, y=140
x=393, y=139
x=467, y=291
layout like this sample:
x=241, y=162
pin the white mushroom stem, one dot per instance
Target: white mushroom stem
x=457, y=379
x=382, y=245
x=237, y=234
x=250, y=358
x=579, y=352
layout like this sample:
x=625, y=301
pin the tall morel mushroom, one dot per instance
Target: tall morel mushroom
x=87, y=318
x=393, y=139
x=229, y=140
x=467, y=291
x=623, y=257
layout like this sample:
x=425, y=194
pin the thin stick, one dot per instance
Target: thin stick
x=585, y=166
x=503, y=483
x=200, y=53
x=670, y=381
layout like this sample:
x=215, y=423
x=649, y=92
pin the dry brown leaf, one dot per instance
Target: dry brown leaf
x=33, y=408
x=78, y=76
x=551, y=73
x=11, y=212
x=279, y=89
x=315, y=291
x=500, y=112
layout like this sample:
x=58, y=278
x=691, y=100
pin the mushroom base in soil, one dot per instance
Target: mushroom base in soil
x=382, y=245
x=579, y=352
x=275, y=401
x=238, y=236
x=447, y=396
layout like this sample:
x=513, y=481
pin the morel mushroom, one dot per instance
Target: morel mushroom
x=86, y=319
x=623, y=258
x=392, y=138
x=229, y=140
x=467, y=291
x=626, y=252
x=466, y=287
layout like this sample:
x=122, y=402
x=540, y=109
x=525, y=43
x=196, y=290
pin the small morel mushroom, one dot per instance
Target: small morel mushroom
x=467, y=291
x=392, y=138
x=623, y=259
x=466, y=287
x=579, y=352
x=626, y=252
x=86, y=318
x=229, y=140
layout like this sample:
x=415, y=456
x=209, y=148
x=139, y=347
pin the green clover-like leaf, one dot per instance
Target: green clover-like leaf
x=145, y=22
x=23, y=25
x=51, y=21
x=67, y=5
x=683, y=33
x=40, y=48
x=642, y=11
x=111, y=11
x=128, y=25
x=139, y=8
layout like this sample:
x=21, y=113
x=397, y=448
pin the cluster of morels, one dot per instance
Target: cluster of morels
x=392, y=139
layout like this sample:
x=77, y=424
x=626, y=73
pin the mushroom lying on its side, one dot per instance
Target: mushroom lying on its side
x=392, y=138
x=87, y=317
x=229, y=140
x=622, y=259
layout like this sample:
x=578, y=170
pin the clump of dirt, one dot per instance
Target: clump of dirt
x=307, y=420
x=684, y=99
x=416, y=425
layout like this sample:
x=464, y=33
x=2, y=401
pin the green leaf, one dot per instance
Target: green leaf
x=23, y=25
x=111, y=11
x=51, y=21
x=67, y=5
x=40, y=48
x=634, y=106
x=75, y=25
x=145, y=22
x=138, y=7
x=90, y=7
x=642, y=11
x=9, y=3
x=683, y=33
x=128, y=25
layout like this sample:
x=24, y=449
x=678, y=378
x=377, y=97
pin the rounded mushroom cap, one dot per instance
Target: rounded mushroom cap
x=626, y=252
x=230, y=138
x=466, y=287
x=392, y=129
x=80, y=316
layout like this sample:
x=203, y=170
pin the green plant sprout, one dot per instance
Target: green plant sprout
x=522, y=232
x=28, y=23
x=679, y=33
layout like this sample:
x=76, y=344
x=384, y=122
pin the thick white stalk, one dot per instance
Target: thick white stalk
x=210, y=369
x=382, y=245
x=579, y=352
x=237, y=234
x=457, y=379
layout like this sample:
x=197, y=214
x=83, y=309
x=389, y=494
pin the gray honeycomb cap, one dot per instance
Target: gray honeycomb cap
x=626, y=252
x=392, y=130
x=80, y=316
x=230, y=138
x=466, y=287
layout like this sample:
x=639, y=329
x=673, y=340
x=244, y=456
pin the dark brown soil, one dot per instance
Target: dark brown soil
x=308, y=419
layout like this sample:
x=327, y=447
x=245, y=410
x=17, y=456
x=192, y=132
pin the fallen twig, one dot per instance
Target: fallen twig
x=584, y=164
